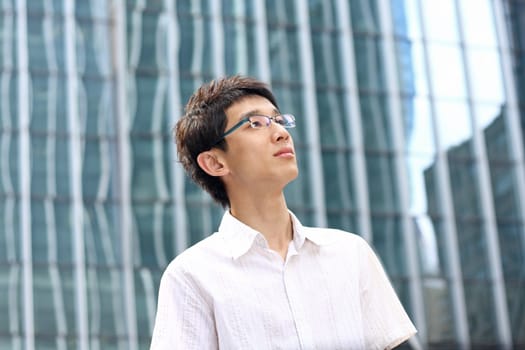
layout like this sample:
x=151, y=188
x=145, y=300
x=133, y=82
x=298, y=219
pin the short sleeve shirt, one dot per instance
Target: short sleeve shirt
x=230, y=291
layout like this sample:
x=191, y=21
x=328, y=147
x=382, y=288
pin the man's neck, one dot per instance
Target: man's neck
x=270, y=217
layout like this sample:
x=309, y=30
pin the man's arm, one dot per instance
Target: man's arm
x=184, y=318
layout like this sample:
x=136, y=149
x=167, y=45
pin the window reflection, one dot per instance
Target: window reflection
x=440, y=20
x=479, y=28
x=453, y=113
x=485, y=75
x=446, y=69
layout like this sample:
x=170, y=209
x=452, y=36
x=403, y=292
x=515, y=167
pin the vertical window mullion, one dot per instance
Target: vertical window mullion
x=24, y=166
x=353, y=112
x=512, y=110
x=486, y=203
x=401, y=176
x=311, y=113
x=262, y=50
x=445, y=194
x=75, y=175
x=123, y=120
x=175, y=110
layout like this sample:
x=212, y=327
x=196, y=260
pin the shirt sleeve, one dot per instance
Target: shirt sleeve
x=385, y=322
x=184, y=318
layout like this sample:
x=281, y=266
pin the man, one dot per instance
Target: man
x=264, y=281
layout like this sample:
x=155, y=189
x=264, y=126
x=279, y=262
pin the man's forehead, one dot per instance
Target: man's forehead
x=250, y=105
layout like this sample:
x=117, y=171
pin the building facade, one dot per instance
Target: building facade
x=410, y=125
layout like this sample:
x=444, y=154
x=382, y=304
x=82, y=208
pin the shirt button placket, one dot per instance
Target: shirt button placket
x=291, y=287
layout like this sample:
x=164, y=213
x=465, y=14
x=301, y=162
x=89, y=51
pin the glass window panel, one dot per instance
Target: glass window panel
x=145, y=301
x=199, y=221
x=321, y=13
x=415, y=76
x=434, y=203
x=388, y=243
x=155, y=238
x=444, y=267
x=95, y=169
x=7, y=38
x=41, y=154
x=343, y=220
x=103, y=239
x=62, y=167
x=465, y=188
x=333, y=121
x=93, y=51
x=238, y=8
x=406, y=18
x=36, y=43
x=480, y=313
x=512, y=246
x=446, y=70
x=284, y=54
x=64, y=238
x=338, y=180
x=486, y=76
x=405, y=57
x=97, y=104
x=516, y=307
x=195, y=56
x=440, y=20
x=438, y=311
x=368, y=57
x=282, y=12
x=472, y=246
x=44, y=308
x=105, y=303
x=375, y=121
x=299, y=192
x=506, y=202
x=240, y=49
x=10, y=237
x=416, y=181
x=382, y=189
x=10, y=299
x=455, y=140
x=94, y=10
x=428, y=246
x=495, y=131
x=364, y=16
x=479, y=29
x=326, y=58
x=148, y=169
x=419, y=132
x=42, y=246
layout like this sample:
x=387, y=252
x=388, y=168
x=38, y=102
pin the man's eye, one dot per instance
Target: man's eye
x=280, y=120
x=256, y=124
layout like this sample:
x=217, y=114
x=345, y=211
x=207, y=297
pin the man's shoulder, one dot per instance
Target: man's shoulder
x=332, y=236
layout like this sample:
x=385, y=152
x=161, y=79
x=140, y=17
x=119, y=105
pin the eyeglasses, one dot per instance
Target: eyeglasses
x=261, y=121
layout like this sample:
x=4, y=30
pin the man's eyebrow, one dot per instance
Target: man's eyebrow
x=275, y=112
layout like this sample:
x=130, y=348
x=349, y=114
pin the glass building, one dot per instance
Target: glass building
x=411, y=119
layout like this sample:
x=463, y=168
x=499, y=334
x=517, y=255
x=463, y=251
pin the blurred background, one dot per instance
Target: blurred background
x=410, y=126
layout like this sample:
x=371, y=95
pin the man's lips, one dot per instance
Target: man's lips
x=286, y=151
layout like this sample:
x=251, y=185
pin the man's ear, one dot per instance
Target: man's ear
x=211, y=164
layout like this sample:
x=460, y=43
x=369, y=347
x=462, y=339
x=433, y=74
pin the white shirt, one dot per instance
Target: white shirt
x=230, y=291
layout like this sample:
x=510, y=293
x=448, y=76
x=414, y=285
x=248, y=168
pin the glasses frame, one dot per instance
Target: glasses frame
x=287, y=124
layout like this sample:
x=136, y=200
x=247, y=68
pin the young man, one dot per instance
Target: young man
x=264, y=281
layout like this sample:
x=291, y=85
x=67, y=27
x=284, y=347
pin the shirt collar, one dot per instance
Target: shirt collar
x=241, y=237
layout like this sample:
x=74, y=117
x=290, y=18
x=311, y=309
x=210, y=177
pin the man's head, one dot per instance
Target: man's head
x=203, y=124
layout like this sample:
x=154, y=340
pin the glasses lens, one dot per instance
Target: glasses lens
x=259, y=121
x=287, y=120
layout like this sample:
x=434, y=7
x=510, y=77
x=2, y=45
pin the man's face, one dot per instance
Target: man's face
x=258, y=157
